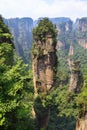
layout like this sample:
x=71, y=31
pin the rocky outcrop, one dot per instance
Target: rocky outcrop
x=44, y=61
x=63, y=24
x=83, y=43
x=81, y=123
x=71, y=50
x=81, y=24
x=76, y=79
x=59, y=45
x=81, y=32
x=64, y=27
x=75, y=85
x=44, y=64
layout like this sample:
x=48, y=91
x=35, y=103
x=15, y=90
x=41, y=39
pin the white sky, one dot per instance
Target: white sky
x=43, y=8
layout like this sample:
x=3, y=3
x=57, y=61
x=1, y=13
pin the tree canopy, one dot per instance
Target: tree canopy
x=44, y=28
x=16, y=91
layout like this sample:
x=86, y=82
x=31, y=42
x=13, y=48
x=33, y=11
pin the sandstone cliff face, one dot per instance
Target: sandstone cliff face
x=81, y=24
x=59, y=45
x=64, y=27
x=70, y=62
x=43, y=64
x=83, y=43
x=75, y=86
x=75, y=80
x=81, y=32
x=44, y=61
x=21, y=30
x=71, y=50
x=82, y=123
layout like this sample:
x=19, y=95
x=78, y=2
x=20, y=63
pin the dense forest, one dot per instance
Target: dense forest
x=50, y=94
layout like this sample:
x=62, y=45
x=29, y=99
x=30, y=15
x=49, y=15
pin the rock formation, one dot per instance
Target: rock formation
x=44, y=63
x=81, y=33
x=59, y=45
x=21, y=29
x=43, y=68
x=76, y=82
x=71, y=52
x=81, y=123
x=83, y=43
x=81, y=24
x=76, y=78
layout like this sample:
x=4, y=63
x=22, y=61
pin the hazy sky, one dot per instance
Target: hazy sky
x=43, y=8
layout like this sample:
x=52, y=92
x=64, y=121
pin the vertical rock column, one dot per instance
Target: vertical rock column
x=43, y=63
x=82, y=123
x=76, y=77
x=76, y=82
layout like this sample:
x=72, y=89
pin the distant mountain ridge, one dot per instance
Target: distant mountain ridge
x=21, y=28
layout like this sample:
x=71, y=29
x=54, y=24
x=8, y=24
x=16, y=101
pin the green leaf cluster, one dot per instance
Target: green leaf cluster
x=16, y=87
x=44, y=28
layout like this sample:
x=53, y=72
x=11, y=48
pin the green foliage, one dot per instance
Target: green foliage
x=5, y=35
x=16, y=95
x=63, y=109
x=44, y=28
x=16, y=84
x=80, y=54
x=41, y=108
x=44, y=34
x=84, y=19
x=63, y=72
x=16, y=87
x=81, y=99
x=42, y=129
x=6, y=54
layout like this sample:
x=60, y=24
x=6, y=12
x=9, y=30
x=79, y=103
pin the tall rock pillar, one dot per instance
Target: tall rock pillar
x=76, y=77
x=44, y=61
x=43, y=65
x=76, y=82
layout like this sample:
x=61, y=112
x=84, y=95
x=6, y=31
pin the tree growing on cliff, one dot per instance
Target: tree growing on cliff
x=44, y=28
